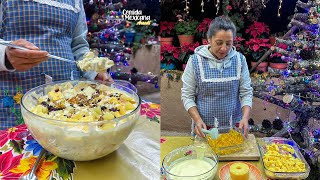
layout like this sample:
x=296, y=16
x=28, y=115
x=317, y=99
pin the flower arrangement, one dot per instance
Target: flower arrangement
x=168, y=56
x=259, y=43
x=185, y=52
x=238, y=43
x=257, y=47
x=258, y=29
x=166, y=29
x=175, y=58
x=203, y=27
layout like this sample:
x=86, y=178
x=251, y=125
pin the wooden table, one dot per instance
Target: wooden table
x=169, y=143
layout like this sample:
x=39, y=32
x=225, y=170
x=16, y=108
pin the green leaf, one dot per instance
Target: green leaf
x=178, y=77
x=65, y=167
x=156, y=119
x=17, y=145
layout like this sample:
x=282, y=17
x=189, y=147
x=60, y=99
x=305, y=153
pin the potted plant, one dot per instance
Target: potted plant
x=186, y=51
x=202, y=29
x=277, y=60
x=257, y=47
x=166, y=32
x=168, y=57
x=258, y=44
x=129, y=33
x=186, y=31
x=140, y=32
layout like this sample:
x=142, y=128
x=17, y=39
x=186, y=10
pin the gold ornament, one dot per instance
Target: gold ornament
x=95, y=17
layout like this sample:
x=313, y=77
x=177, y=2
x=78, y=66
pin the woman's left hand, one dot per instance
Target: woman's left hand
x=104, y=78
x=244, y=127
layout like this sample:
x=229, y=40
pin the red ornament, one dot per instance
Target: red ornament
x=124, y=2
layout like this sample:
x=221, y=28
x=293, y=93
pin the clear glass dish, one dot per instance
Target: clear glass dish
x=297, y=154
x=79, y=141
x=188, y=153
x=230, y=149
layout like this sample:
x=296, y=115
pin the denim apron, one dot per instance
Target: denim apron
x=47, y=24
x=217, y=93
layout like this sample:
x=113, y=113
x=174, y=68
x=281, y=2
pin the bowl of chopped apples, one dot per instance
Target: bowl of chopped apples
x=80, y=120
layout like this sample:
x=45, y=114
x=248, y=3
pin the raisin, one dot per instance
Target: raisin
x=113, y=109
x=103, y=108
x=45, y=104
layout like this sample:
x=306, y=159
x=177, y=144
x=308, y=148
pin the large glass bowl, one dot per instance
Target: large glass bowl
x=79, y=141
x=186, y=153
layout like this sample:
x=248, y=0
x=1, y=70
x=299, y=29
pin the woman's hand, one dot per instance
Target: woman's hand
x=23, y=60
x=104, y=78
x=244, y=127
x=198, y=128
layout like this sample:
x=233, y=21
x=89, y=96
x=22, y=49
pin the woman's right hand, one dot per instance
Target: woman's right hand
x=23, y=60
x=199, y=125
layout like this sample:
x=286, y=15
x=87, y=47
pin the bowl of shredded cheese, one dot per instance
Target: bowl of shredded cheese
x=80, y=120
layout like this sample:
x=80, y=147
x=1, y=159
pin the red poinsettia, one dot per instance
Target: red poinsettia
x=229, y=7
x=258, y=28
x=203, y=27
x=8, y=162
x=257, y=47
x=169, y=52
x=166, y=29
x=239, y=44
x=186, y=51
x=13, y=133
x=258, y=44
x=282, y=46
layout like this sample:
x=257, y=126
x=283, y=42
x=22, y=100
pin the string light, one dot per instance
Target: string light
x=247, y=6
x=187, y=7
x=202, y=4
x=279, y=8
x=218, y=6
x=262, y=2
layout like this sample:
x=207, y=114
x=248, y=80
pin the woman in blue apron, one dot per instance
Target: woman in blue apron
x=216, y=81
x=55, y=27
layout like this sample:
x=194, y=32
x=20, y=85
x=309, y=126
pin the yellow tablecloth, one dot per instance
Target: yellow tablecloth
x=137, y=158
x=169, y=143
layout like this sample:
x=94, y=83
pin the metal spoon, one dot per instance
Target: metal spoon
x=32, y=174
x=8, y=43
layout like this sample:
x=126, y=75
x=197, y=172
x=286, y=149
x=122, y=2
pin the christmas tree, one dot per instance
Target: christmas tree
x=298, y=86
x=111, y=35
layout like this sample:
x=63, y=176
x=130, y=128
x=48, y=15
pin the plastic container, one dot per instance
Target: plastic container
x=225, y=150
x=189, y=153
x=297, y=154
x=79, y=141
